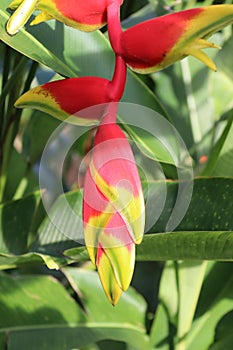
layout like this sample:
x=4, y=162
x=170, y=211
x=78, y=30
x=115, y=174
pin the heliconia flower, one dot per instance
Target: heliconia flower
x=157, y=43
x=85, y=15
x=84, y=98
x=113, y=209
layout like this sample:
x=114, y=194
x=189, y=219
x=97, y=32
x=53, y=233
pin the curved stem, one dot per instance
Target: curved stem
x=114, y=25
x=116, y=89
x=117, y=84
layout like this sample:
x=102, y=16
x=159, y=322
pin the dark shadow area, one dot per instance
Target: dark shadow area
x=16, y=222
x=211, y=291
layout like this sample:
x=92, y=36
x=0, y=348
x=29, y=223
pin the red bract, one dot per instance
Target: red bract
x=65, y=98
x=157, y=43
x=70, y=97
x=91, y=14
x=86, y=15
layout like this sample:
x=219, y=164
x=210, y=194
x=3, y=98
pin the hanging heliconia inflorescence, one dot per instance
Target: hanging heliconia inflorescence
x=113, y=204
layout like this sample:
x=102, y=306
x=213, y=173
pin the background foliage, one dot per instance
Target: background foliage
x=50, y=296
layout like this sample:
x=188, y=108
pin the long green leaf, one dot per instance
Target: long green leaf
x=223, y=58
x=11, y=261
x=221, y=157
x=190, y=279
x=214, y=303
x=159, y=335
x=209, y=209
x=131, y=308
x=37, y=313
x=195, y=245
x=28, y=45
x=223, y=335
x=15, y=224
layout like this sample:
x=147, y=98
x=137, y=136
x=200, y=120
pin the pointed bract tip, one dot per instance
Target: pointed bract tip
x=111, y=288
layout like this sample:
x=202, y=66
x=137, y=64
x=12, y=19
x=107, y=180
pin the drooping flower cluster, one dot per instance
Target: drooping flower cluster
x=113, y=205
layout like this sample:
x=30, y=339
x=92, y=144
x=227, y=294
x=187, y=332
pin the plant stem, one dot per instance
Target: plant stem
x=10, y=86
x=114, y=26
x=193, y=114
x=11, y=118
x=5, y=75
x=23, y=184
x=117, y=85
x=30, y=76
x=4, y=161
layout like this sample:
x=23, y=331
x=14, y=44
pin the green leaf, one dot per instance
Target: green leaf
x=209, y=209
x=62, y=337
x=169, y=296
x=35, y=135
x=223, y=335
x=225, y=343
x=223, y=58
x=16, y=230
x=224, y=326
x=221, y=157
x=190, y=279
x=163, y=327
x=28, y=45
x=156, y=138
x=150, y=145
x=195, y=245
x=130, y=310
x=19, y=171
x=77, y=254
x=15, y=224
x=159, y=335
x=63, y=228
x=37, y=313
x=215, y=301
x=29, y=301
x=10, y=261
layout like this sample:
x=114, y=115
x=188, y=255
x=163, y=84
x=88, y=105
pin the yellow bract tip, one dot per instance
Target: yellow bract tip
x=41, y=17
x=111, y=288
x=201, y=56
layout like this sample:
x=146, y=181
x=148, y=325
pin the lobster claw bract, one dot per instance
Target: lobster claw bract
x=85, y=15
x=157, y=43
x=70, y=97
